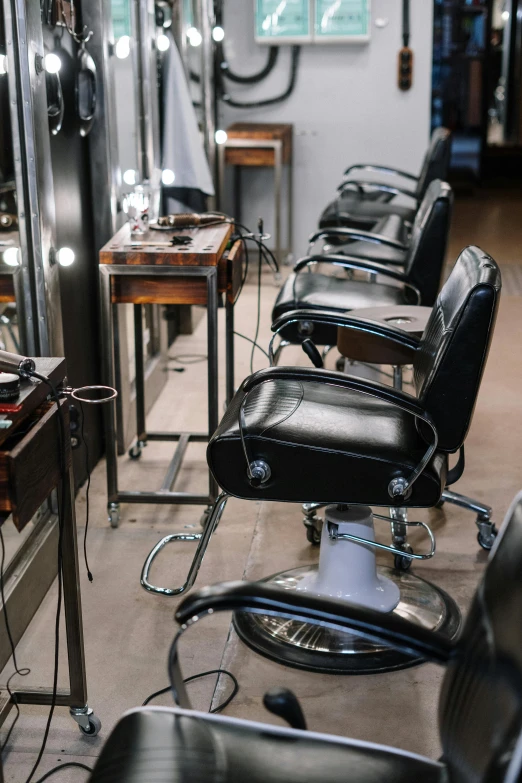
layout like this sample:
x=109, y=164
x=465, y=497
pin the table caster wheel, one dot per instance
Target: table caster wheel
x=204, y=517
x=94, y=726
x=113, y=511
x=401, y=562
x=135, y=451
x=486, y=538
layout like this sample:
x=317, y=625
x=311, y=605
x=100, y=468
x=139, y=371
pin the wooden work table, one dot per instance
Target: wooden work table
x=148, y=270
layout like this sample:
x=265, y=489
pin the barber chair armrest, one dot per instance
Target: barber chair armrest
x=348, y=321
x=312, y=375
x=357, y=235
x=360, y=264
x=374, y=167
x=382, y=187
x=266, y=599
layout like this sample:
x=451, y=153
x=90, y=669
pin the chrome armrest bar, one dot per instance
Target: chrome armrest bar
x=380, y=186
x=347, y=262
x=374, y=167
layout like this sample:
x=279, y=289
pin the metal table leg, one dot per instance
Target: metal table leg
x=109, y=409
x=278, y=175
x=140, y=375
x=229, y=330
x=213, y=389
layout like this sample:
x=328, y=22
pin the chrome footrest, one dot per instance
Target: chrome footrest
x=335, y=535
x=203, y=539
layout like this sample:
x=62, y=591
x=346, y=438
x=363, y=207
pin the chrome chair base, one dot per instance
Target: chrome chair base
x=320, y=649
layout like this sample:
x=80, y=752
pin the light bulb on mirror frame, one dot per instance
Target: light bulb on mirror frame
x=221, y=137
x=122, y=47
x=65, y=256
x=11, y=256
x=194, y=36
x=162, y=42
x=130, y=177
x=3, y=64
x=168, y=176
x=218, y=34
x=52, y=63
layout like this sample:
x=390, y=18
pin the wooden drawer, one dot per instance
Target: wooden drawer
x=30, y=463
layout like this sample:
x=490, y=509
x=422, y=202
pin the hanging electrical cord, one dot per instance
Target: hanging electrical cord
x=226, y=98
x=87, y=469
x=254, y=78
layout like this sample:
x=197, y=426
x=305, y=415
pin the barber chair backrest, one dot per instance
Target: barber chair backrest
x=480, y=707
x=429, y=240
x=450, y=360
x=436, y=161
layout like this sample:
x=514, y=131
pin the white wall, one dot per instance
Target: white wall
x=346, y=108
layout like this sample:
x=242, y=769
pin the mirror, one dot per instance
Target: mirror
x=505, y=74
x=9, y=235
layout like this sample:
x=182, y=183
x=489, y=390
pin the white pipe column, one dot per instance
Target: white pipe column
x=347, y=569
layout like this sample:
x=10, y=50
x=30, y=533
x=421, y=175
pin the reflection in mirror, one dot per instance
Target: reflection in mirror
x=9, y=236
x=124, y=64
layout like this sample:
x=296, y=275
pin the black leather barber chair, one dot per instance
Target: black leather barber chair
x=417, y=282
x=359, y=203
x=307, y=435
x=480, y=703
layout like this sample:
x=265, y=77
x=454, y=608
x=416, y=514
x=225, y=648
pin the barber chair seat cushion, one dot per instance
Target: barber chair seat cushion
x=314, y=290
x=350, y=210
x=322, y=444
x=176, y=746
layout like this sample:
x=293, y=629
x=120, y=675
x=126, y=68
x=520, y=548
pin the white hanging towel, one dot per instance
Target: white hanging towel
x=183, y=151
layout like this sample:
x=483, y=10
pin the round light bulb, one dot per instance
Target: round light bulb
x=167, y=176
x=505, y=15
x=52, y=63
x=162, y=42
x=3, y=64
x=194, y=36
x=129, y=177
x=221, y=137
x=65, y=256
x=122, y=47
x=10, y=256
x=218, y=34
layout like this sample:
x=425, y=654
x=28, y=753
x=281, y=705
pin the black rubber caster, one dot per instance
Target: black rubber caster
x=94, y=727
x=135, y=451
x=486, y=540
x=312, y=535
x=401, y=562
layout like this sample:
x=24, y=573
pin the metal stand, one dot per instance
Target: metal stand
x=76, y=697
x=347, y=571
x=277, y=146
x=165, y=494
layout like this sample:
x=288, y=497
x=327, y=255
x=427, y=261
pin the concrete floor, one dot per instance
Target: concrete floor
x=128, y=632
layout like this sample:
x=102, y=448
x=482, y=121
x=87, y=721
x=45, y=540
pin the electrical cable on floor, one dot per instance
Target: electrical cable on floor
x=86, y=559
x=68, y=764
x=259, y=347
x=215, y=710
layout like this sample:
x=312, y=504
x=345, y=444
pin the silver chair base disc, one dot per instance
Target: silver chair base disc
x=324, y=649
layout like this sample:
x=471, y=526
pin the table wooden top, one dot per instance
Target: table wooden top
x=259, y=130
x=152, y=248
